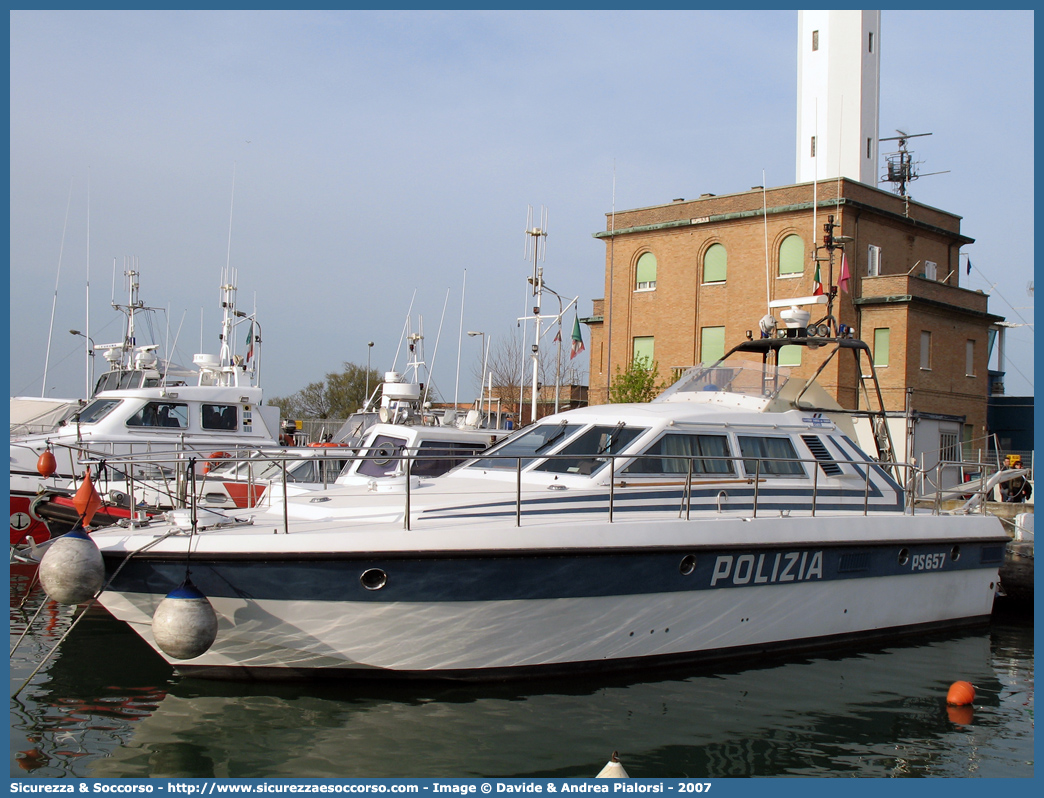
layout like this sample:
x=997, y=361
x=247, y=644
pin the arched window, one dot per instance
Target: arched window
x=791, y=256
x=715, y=264
x=645, y=272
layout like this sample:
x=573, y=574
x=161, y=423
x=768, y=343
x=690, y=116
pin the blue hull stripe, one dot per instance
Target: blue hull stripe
x=500, y=577
x=625, y=500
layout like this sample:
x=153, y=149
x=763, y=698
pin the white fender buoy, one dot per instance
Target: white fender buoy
x=613, y=769
x=72, y=570
x=184, y=625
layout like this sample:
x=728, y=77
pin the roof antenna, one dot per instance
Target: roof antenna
x=900, y=167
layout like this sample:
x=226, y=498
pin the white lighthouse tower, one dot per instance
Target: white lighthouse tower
x=839, y=69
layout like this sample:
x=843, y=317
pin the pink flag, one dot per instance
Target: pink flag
x=845, y=276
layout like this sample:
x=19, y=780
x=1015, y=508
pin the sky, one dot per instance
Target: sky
x=349, y=163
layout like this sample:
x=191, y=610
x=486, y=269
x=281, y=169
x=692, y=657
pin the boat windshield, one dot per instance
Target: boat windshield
x=749, y=378
x=527, y=445
x=586, y=454
x=96, y=410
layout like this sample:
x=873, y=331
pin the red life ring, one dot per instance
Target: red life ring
x=214, y=460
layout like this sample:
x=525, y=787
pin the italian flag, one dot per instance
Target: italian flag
x=817, y=283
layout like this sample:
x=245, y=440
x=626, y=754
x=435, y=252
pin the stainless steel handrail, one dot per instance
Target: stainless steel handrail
x=738, y=474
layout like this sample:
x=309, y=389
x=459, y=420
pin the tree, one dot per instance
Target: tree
x=338, y=395
x=511, y=364
x=638, y=383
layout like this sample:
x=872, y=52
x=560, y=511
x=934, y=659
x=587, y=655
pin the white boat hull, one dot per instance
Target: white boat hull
x=468, y=614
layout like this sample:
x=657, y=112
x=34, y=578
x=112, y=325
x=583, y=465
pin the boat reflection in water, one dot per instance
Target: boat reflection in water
x=104, y=708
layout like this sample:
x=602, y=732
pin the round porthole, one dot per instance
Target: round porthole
x=373, y=579
x=687, y=565
x=904, y=556
x=955, y=553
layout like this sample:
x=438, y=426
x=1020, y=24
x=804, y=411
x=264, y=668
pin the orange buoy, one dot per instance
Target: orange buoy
x=46, y=464
x=960, y=694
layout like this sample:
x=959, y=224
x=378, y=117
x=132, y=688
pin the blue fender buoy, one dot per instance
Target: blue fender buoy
x=184, y=625
x=71, y=570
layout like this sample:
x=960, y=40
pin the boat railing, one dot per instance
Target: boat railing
x=734, y=484
x=692, y=476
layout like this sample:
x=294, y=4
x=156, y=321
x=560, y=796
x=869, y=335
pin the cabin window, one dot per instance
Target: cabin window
x=527, y=445
x=791, y=256
x=96, y=410
x=220, y=417
x=671, y=454
x=109, y=381
x=777, y=456
x=588, y=452
x=168, y=415
x=645, y=272
x=715, y=264
x=438, y=457
x=303, y=471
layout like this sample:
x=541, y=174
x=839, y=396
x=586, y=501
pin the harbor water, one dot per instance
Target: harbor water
x=105, y=706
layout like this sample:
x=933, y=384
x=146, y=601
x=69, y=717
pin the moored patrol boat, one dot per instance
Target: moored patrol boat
x=733, y=515
x=144, y=407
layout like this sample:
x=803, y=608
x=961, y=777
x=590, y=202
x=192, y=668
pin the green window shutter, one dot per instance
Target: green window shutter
x=790, y=356
x=712, y=344
x=646, y=271
x=881, y=336
x=643, y=348
x=715, y=264
x=791, y=255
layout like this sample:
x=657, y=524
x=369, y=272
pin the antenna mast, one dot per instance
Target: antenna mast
x=900, y=166
x=536, y=242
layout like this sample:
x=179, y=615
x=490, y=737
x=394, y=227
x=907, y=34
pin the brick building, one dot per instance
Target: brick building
x=685, y=281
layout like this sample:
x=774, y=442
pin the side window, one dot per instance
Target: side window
x=169, y=415
x=220, y=417
x=672, y=454
x=715, y=264
x=791, y=256
x=775, y=454
x=645, y=272
x=438, y=457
